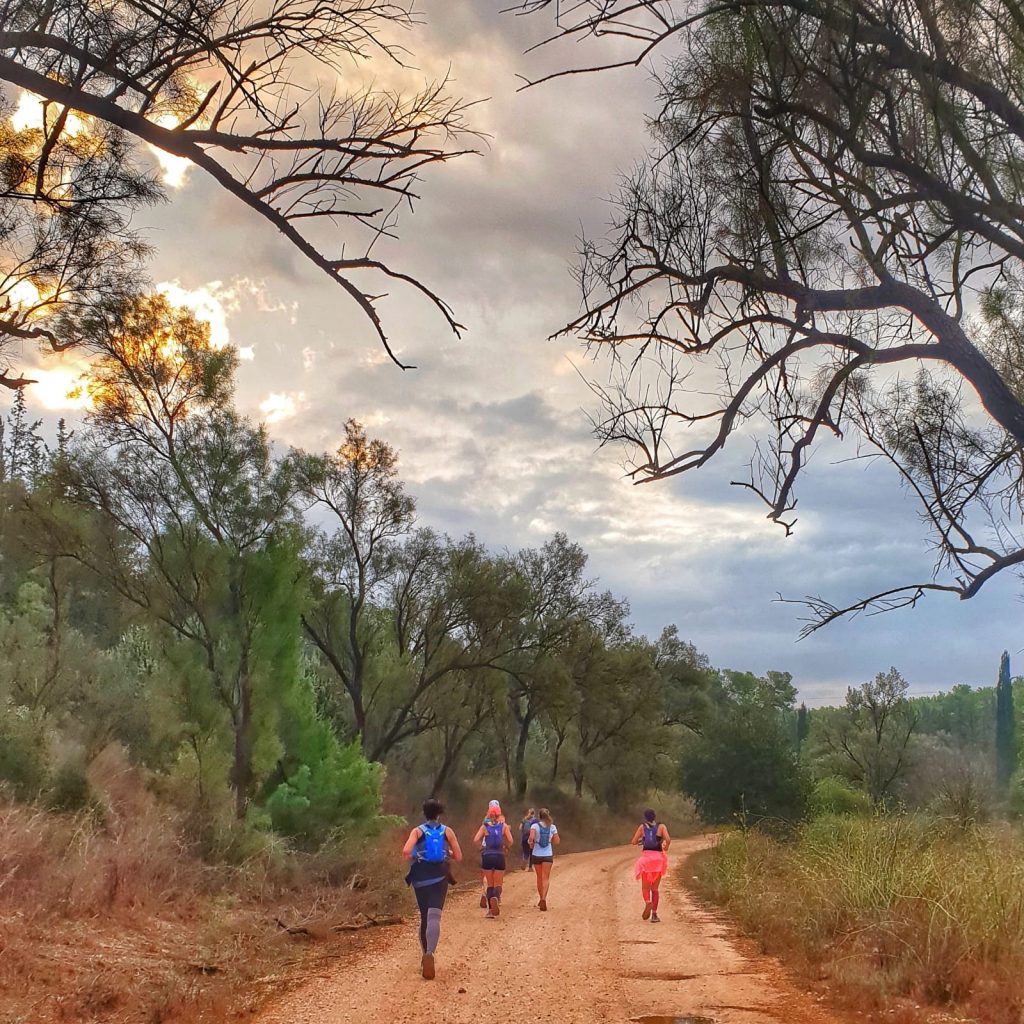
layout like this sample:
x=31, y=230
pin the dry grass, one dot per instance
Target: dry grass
x=893, y=912
x=112, y=916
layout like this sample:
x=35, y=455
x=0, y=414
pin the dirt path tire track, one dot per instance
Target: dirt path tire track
x=590, y=958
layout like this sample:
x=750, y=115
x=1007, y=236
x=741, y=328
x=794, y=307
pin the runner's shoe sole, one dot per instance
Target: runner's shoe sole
x=543, y=904
x=483, y=902
x=647, y=912
x=655, y=919
x=428, y=966
x=495, y=906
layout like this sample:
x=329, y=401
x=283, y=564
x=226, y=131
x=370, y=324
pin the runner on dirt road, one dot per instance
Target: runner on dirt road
x=543, y=840
x=652, y=864
x=430, y=846
x=529, y=820
x=495, y=839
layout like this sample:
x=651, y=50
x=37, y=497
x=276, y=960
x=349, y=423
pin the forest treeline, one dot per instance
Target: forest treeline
x=760, y=759
x=262, y=629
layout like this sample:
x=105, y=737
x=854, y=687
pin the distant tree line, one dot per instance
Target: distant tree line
x=954, y=754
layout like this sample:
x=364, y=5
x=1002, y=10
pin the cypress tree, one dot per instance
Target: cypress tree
x=803, y=725
x=1006, y=741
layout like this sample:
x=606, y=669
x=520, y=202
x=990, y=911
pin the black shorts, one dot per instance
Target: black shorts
x=542, y=860
x=492, y=860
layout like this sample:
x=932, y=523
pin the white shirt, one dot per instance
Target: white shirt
x=538, y=850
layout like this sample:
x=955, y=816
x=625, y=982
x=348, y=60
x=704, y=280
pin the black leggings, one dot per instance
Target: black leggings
x=431, y=897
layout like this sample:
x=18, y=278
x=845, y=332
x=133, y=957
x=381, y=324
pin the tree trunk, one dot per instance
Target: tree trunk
x=520, y=764
x=577, y=775
x=451, y=753
x=558, y=751
x=241, y=771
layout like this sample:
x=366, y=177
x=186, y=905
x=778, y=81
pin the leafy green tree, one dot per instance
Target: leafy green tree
x=619, y=706
x=689, y=680
x=322, y=786
x=192, y=510
x=559, y=598
x=22, y=449
x=867, y=741
x=742, y=767
x=352, y=568
x=803, y=726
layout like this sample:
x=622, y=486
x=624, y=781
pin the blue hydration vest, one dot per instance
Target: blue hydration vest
x=494, y=836
x=432, y=846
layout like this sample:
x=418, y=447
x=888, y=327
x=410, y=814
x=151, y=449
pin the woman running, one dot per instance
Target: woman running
x=529, y=820
x=543, y=840
x=493, y=811
x=494, y=837
x=430, y=845
x=652, y=864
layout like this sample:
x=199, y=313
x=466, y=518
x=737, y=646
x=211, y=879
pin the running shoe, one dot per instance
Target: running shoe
x=495, y=907
x=428, y=966
x=483, y=901
x=543, y=904
x=655, y=919
x=647, y=912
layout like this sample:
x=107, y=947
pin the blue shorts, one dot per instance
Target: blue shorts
x=492, y=860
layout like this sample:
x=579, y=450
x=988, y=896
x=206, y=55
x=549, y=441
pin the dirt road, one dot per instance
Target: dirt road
x=590, y=958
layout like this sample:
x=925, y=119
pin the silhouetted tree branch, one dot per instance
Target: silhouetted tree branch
x=834, y=197
x=242, y=92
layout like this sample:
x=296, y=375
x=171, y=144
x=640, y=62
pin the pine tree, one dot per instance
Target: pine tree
x=1006, y=740
x=24, y=449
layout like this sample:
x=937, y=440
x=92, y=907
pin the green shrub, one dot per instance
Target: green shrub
x=70, y=789
x=23, y=753
x=832, y=795
x=337, y=791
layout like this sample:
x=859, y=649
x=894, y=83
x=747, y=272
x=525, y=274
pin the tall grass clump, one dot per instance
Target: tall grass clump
x=901, y=906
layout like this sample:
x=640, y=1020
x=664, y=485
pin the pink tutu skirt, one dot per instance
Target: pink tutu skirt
x=652, y=864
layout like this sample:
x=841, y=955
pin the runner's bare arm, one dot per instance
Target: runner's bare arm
x=410, y=843
x=479, y=835
x=532, y=840
x=453, y=843
x=635, y=841
x=508, y=837
x=555, y=839
x=666, y=839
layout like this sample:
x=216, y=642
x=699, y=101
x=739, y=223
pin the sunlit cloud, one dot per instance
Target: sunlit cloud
x=279, y=406
x=212, y=302
x=174, y=170
x=308, y=358
x=33, y=113
x=60, y=385
x=247, y=353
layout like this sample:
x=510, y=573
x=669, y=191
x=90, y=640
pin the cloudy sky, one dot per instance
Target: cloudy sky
x=492, y=429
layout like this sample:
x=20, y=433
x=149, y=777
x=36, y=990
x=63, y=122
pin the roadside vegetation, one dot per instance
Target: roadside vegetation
x=895, y=913
x=885, y=856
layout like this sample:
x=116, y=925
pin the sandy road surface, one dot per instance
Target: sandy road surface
x=590, y=958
